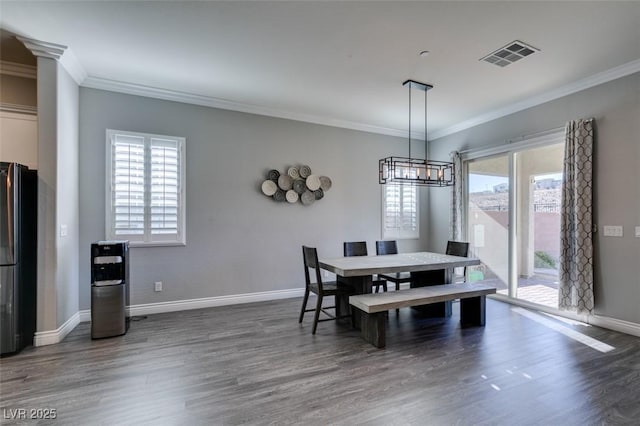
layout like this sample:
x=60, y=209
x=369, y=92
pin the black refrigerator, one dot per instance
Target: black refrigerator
x=18, y=254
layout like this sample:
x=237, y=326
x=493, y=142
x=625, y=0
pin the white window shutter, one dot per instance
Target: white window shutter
x=165, y=190
x=409, y=209
x=145, y=192
x=128, y=182
x=400, y=213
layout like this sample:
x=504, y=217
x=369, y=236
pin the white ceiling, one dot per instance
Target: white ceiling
x=339, y=61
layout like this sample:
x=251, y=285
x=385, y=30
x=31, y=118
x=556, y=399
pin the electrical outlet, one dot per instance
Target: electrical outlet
x=158, y=285
x=637, y=231
x=64, y=230
x=613, y=231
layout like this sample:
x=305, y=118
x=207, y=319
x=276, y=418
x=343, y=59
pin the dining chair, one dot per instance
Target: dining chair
x=359, y=248
x=320, y=289
x=458, y=248
x=391, y=247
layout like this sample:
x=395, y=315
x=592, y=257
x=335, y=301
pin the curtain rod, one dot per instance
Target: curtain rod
x=517, y=139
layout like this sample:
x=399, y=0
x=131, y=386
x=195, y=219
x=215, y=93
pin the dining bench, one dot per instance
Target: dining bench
x=374, y=306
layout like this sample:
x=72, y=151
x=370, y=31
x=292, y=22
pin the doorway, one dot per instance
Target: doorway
x=519, y=187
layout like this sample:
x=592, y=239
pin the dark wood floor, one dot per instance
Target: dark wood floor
x=254, y=364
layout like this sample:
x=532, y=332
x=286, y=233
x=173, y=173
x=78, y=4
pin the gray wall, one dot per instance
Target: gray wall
x=616, y=108
x=238, y=240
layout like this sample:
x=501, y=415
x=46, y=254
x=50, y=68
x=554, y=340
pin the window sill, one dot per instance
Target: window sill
x=157, y=244
x=398, y=237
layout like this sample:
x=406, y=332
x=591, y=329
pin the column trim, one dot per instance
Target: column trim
x=43, y=48
x=58, y=52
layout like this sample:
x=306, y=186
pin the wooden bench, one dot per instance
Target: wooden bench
x=375, y=305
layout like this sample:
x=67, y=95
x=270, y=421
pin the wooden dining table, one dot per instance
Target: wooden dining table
x=426, y=268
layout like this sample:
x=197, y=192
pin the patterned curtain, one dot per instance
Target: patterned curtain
x=576, y=232
x=455, y=223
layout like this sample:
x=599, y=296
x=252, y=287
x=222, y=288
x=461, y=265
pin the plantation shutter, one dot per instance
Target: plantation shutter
x=128, y=182
x=400, y=212
x=409, y=217
x=145, y=192
x=165, y=189
x=392, y=208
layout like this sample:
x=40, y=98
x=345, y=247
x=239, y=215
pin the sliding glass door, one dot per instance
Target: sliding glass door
x=513, y=219
x=488, y=219
x=539, y=180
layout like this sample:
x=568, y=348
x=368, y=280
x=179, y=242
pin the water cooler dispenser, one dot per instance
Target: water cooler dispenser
x=109, y=288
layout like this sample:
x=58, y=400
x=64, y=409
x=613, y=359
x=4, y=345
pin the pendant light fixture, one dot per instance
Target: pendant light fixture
x=416, y=171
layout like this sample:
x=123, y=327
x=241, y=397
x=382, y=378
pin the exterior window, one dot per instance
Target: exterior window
x=145, y=189
x=400, y=214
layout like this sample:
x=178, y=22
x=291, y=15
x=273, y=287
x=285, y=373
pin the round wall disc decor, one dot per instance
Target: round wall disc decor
x=313, y=182
x=285, y=182
x=269, y=187
x=273, y=175
x=292, y=196
x=305, y=171
x=295, y=184
x=299, y=186
x=293, y=172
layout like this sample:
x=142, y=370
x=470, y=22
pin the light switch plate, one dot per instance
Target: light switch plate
x=637, y=231
x=613, y=231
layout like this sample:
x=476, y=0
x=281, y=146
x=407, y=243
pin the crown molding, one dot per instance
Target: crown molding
x=43, y=48
x=18, y=70
x=73, y=66
x=58, y=52
x=209, y=101
x=577, y=86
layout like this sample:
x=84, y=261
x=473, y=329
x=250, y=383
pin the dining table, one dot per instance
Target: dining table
x=426, y=268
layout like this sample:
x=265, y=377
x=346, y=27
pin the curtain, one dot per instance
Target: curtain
x=576, y=232
x=455, y=223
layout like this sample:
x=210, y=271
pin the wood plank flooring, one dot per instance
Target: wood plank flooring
x=254, y=364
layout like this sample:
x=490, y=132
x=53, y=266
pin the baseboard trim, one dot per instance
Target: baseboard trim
x=622, y=326
x=210, y=302
x=205, y=302
x=51, y=337
x=55, y=336
x=85, y=315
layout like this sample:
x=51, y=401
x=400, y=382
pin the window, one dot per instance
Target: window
x=400, y=212
x=145, y=189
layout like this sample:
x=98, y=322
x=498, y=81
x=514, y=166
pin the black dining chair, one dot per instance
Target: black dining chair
x=321, y=289
x=458, y=248
x=359, y=248
x=391, y=247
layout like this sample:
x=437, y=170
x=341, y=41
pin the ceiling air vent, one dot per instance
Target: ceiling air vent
x=510, y=53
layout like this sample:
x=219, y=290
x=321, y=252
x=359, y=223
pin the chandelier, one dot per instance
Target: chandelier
x=416, y=171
